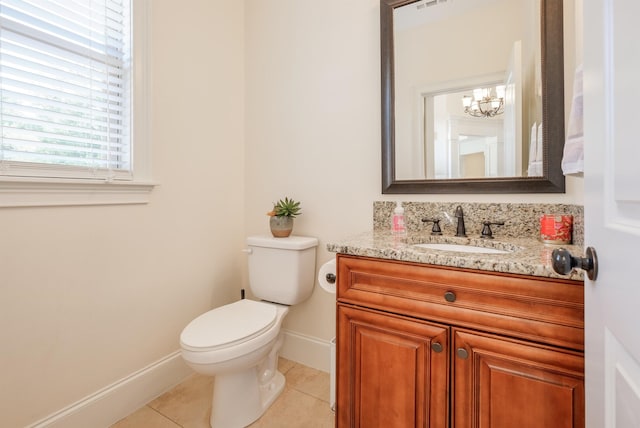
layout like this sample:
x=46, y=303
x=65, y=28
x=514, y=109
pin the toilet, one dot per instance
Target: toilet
x=238, y=343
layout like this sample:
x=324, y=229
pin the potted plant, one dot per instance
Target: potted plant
x=281, y=217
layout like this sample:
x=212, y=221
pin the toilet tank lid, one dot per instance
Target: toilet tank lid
x=289, y=243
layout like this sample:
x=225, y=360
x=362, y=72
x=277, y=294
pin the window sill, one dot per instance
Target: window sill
x=22, y=192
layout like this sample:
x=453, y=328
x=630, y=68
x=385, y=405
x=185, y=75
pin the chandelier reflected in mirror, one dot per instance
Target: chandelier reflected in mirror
x=485, y=102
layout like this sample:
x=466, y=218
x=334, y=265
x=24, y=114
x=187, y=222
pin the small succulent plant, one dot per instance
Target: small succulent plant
x=285, y=208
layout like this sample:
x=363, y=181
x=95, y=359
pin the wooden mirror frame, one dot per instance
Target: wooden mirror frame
x=552, y=65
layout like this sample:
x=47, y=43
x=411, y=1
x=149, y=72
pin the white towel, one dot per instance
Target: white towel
x=535, y=165
x=573, y=156
x=540, y=146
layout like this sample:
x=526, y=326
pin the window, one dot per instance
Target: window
x=69, y=112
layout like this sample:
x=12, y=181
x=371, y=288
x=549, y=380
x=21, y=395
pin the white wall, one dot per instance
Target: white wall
x=89, y=295
x=313, y=127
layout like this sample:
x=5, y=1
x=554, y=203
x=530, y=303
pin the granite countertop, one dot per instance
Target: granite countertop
x=527, y=256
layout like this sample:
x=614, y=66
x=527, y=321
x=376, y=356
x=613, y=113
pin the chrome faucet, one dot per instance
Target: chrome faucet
x=460, y=229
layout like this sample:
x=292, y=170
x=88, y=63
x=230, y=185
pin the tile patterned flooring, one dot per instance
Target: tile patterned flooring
x=303, y=403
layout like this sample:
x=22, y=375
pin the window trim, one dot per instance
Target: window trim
x=32, y=192
x=35, y=191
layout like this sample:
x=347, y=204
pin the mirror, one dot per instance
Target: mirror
x=472, y=96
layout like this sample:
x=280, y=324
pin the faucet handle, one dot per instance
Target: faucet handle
x=435, y=230
x=486, y=228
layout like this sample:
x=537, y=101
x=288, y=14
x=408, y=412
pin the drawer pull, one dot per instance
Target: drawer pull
x=437, y=347
x=450, y=296
x=462, y=353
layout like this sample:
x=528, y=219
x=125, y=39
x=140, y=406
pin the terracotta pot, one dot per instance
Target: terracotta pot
x=281, y=227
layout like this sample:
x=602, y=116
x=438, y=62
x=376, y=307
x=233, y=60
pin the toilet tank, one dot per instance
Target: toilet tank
x=282, y=270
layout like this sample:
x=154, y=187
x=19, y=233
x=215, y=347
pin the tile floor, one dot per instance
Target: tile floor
x=303, y=403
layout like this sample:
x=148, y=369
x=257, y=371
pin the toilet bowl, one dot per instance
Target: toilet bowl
x=238, y=344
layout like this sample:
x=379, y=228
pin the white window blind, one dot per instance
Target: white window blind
x=65, y=85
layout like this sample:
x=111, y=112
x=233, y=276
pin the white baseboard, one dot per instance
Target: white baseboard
x=112, y=403
x=309, y=351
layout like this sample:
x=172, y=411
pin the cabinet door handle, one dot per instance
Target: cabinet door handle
x=450, y=296
x=437, y=347
x=462, y=353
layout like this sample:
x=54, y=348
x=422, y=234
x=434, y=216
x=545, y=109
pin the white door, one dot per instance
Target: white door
x=612, y=211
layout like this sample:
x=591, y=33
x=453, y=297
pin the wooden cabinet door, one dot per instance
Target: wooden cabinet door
x=501, y=383
x=392, y=371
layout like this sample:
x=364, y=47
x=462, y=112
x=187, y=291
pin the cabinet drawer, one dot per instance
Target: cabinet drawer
x=545, y=310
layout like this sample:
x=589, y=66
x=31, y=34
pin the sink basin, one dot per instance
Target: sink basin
x=461, y=248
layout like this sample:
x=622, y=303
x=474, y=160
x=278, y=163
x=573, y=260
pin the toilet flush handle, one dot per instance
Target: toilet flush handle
x=247, y=250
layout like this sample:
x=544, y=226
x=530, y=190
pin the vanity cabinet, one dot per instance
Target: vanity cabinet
x=429, y=346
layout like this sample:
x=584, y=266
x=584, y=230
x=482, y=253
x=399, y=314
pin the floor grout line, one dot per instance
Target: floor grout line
x=165, y=416
x=312, y=396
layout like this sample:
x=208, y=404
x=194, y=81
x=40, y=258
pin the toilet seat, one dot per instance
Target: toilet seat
x=228, y=325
